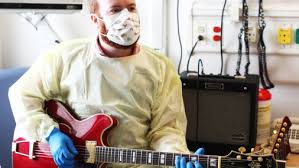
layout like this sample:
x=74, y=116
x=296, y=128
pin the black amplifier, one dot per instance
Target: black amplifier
x=221, y=111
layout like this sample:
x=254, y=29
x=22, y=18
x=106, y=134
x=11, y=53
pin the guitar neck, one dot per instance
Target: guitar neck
x=147, y=157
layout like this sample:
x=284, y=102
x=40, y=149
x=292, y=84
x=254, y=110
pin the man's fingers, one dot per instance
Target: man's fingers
x=67, y=154
x=177, y=162
x=189, y=165
x=71, y=146
x=200, y=151
x=197, y=165
x=183, y=163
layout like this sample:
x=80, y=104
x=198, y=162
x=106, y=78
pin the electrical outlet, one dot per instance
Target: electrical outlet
x=285, y=36
x=252, y=34
x=200, y=30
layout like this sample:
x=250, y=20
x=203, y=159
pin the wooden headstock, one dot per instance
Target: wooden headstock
x=280, y=145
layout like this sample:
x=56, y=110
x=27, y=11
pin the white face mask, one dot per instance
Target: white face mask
x=123, y=27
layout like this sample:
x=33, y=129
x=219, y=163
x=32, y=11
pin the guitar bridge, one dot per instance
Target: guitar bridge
x=31, y=149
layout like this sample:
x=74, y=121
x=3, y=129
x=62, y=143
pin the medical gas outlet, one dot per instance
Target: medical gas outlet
x=285, y=36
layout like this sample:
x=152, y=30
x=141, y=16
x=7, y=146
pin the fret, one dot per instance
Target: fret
x=169, y=159
x=193, y=158
x=162, y=159
x=108, y=155
x=187, y=157
x=102, y=155
x=97, y=154
x=138, y=157
x=120, y=159
x=114, y=158
x=208, y=162
x=149, y=158
x=112, y=155
x=125, y=155
x=129, y=156
x=116, y=155
x=105, y=154
x=155, y=158
x=134, y=156
x=159, y=156
x=173, y=159
x=176, y=155
x=143, y=157
x=213, y=162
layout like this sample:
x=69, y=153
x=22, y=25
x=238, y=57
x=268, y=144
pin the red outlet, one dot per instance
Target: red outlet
x=217, y=38
x=217, y=29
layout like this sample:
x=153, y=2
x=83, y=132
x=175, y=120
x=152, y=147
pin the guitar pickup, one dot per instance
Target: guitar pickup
x=91, y=151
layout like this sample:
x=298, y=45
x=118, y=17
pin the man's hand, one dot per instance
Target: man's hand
x=180, y=162
x=62, y=149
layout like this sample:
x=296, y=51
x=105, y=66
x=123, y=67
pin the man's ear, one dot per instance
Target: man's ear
x=94, y=18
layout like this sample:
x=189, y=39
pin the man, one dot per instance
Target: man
x=112, y=74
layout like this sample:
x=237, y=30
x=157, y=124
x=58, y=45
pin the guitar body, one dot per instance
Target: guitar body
x=95, y=128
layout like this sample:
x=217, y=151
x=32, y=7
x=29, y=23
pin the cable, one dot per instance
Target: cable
x=179, y=35
x=239, y=52
x=221, y=34
x=200, y=63
x=246, y=39
x=191, y=55
x=261, y=47
x=244, y=33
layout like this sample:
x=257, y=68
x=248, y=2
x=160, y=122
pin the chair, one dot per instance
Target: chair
x=7, y=123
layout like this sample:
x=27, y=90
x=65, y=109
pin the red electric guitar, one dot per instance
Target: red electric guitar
x=90, y=139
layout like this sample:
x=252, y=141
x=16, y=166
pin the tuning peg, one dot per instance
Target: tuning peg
x=285, y=124
x=279, y=140
x=275, y=132
x=275, y=150
x=260, y=159
x=239, y=157
x=249, y=158
x=277, y=126
x=277, y=145
x=242, y=149
x=283, y=130
x=281, y=135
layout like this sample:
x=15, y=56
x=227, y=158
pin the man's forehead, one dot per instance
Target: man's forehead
x=109, y=3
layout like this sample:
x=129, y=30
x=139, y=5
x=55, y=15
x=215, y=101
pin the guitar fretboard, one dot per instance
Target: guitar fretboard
x=147, y=157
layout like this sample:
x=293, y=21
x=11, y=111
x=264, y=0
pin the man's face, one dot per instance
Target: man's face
x=110, y=7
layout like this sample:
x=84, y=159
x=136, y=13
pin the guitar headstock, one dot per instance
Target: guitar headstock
x=252, y=160
x=280, y=139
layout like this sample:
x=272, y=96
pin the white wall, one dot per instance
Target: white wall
x=22, y=44
x=283, y=67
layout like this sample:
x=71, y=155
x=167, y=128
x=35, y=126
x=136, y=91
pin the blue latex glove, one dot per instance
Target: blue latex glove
x=180, y=162
x=62, y=149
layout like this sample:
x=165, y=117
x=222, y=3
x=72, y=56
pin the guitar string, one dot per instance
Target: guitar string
x=157, y=162
x=203, y=157
x=172, y=163
x=155, y=159
x=107, y=152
